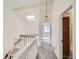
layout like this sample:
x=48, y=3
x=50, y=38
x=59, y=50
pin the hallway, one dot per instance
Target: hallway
x=29, y=22
x=44, y=52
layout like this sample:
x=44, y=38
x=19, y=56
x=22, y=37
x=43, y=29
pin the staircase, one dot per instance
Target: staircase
x=24, y=48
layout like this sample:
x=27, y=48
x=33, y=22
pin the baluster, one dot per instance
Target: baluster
x=26, y=40
x=18, y=45
x=31, y=38
x=21, y=42
x=14, y=44
x=30, y=52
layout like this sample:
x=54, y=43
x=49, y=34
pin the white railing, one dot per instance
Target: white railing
x=23, y=41
x=26, y=47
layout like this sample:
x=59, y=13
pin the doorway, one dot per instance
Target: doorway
x=66, y=36
x=69, y=12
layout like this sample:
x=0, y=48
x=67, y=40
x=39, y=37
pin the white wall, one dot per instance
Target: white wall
x=59, y=6
x=14, y=26
x=74, y=33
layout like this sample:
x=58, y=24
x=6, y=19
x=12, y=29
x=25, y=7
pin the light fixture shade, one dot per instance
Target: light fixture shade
x=46, y=18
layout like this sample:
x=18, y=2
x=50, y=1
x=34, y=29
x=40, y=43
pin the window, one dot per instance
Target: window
x=46, y=29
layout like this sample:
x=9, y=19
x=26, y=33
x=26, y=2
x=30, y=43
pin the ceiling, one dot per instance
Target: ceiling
x=24, y=8
x=24, y=3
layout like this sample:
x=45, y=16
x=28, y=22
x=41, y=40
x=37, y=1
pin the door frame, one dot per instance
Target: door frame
x=60, y=30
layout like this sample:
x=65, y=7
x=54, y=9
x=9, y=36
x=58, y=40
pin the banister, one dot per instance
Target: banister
x=23, y=52
x=30, y=35
x=17, y=41
x=8, y=55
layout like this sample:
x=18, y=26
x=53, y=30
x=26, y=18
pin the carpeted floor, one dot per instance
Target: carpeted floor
x=45, y=52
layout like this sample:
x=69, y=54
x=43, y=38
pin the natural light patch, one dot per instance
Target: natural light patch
x=46, y=29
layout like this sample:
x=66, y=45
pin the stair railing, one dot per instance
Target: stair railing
x=26, y=47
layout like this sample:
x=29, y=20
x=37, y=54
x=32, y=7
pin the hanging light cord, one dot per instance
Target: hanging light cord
x=46, y=8
x=46, y=17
